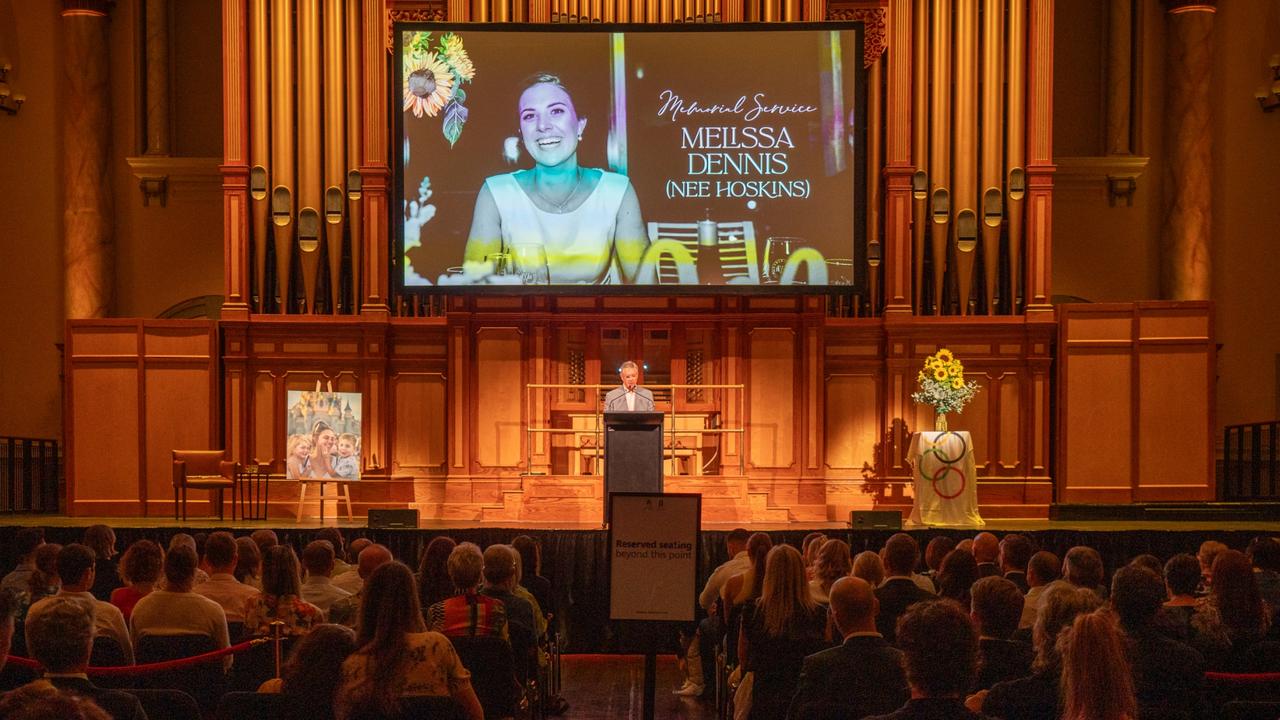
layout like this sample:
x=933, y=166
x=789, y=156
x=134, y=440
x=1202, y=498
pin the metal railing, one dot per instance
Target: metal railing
x=30, y=473
x=541, y=425
x=1249, y=470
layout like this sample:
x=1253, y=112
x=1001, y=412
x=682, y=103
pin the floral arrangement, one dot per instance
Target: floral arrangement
x=942, y=384
x=433, y=80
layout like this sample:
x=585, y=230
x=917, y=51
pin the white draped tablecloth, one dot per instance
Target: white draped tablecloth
x=945, y=479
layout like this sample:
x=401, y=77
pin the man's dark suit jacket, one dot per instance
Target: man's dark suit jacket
x=118, y=704
x=1019, y=579
x=1000, y=660
x=987, y=569
x=861, y=677
x=1167, y=675
x=895, y=596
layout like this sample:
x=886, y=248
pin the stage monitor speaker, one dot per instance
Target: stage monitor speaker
x=393, y=518
x=875, y=520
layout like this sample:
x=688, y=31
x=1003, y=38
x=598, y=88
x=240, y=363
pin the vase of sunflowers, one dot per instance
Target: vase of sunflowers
x=942, y=386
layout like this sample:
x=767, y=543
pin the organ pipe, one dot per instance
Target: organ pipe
x=874, y=166
x=334, y=140
x=965, y=180
x=920, y=146
x=1015, y=141
x=992, y=155
x=940, y=142
x=355, y=185
x=282, y=196
x=259, y=145
x=309, y=171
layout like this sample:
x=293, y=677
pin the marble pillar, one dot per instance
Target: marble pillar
x=88, y=252
x=157, y=48
x=1188, y=184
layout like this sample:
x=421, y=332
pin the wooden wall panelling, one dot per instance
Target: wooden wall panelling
x=418, y=400
x=1176, y=369
x=854, y=418
x=774, y=417
x=498, y=382
x=373, y=367
x=152, y=383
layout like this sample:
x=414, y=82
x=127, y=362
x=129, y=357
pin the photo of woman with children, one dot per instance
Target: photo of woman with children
x=324, y=435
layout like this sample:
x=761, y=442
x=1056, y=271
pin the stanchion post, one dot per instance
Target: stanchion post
x=650, y=683
x=277, y=634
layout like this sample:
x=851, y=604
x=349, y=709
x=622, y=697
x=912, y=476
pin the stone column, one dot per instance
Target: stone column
x=1185, y=242
x=157, y=29
x=88, y=253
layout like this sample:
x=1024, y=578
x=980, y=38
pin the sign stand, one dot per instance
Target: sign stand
x=653, y=572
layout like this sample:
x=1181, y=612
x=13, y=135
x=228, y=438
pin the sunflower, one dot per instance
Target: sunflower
x=940, y=375
x=428, y=86
x=957, y=383
x=936, y=365
x=452, y=52
x=954, y=369
x=944, y=355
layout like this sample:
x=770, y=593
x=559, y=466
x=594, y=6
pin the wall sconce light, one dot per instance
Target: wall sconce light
x=1269, y=98
x=10, y=102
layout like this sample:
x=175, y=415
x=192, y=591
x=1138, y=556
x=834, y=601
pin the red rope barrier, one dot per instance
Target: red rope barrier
x=1243, y=678
x=130, y=670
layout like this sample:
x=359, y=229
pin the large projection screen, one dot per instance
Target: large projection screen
x=603, y=158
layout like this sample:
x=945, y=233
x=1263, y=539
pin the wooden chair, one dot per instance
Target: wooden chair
x=202, y=470
x=737, y=248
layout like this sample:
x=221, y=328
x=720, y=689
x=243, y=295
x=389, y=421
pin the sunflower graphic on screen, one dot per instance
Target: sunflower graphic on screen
x=434, y=72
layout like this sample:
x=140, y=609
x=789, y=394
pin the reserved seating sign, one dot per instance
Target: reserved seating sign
x=653, y=556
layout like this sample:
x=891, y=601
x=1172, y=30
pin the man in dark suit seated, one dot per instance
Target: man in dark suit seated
x=1015, y=553
x=986, y=550
x=629, y=397
x=996, y=609
x=941, y=650
x=61, y=638
x=898, y=591
x=1168, y=676
x=860, y=677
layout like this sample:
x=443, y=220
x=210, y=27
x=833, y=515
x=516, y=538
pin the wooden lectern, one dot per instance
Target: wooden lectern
x=632, y=453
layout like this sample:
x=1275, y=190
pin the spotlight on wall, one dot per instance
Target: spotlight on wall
x=1269, y=97
x=10, y=101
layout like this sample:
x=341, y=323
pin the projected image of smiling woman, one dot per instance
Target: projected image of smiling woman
x=586, y=219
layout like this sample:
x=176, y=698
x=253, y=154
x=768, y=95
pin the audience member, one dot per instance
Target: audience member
x=699, y=648
x=519, y=590
x=831, y=564
x=43, y=582
x=318, y=589
x=1167, y=674
x=434, y=584
x=934, y=553
x=995, y=611
x=956, y=577
x=868, y=566
x=352, y=579
x=347, y=610
x=334, y=536
x=248, y=563
x=1150, y=562
x=1209, y=550
x=101, y=539
x=1264, y=553
x=188, y=541
x=1096, y=682
x=809, y=548
x=8, y=611
x=1015, y=554
x=735, y=544
x=60, y=638
x=500, y=578
x=25, y=542
x=175, y=610
x=1082, y=567
x=468, y=614
x=222, y=554
x=1043, y=569
x=265, y=539
x=986, y=553
x=354, y=548
x=940, y=649
x=76, y=570
x=531, y=577
x=1037, y=697
x=140, y=569
x=745, y=586
x=860, y=677
x=778, y=631
x=311, y=677
x=965, y=544
x=1233, y=612
x=280, y=598
x=397, y=655
x=898, y=591
x=40, y=700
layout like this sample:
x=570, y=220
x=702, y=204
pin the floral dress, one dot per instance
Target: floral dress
x=298, y=615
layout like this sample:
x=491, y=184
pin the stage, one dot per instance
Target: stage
x=575, y=557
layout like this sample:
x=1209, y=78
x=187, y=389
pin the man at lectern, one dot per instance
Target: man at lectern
x=630, y=397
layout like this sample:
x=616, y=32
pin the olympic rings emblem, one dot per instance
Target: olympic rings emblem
x=946, y=465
